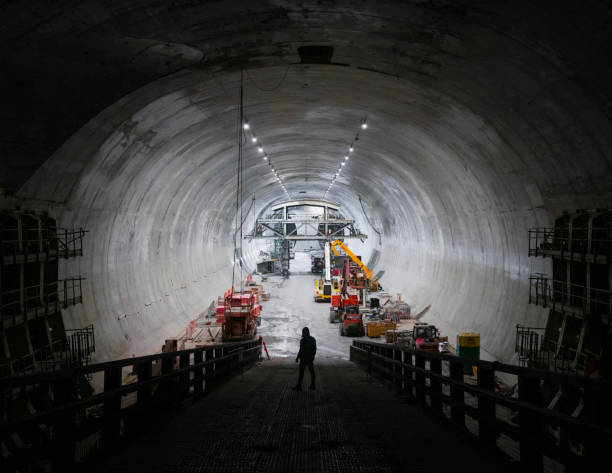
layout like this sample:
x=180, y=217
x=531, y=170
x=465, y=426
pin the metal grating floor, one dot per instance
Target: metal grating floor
x=256, y=423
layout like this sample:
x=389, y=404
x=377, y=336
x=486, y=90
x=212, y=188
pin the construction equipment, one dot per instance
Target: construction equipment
x=240, y=316
x=325, y=287
x=317, y=264
x=352, y=322
x=339, y=302
x=424, y=337
x=357, y=281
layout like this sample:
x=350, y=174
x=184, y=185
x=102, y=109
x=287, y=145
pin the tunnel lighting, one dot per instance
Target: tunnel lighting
x=364, y=124
x=351, y=149
x=265, y=157
x=246, y=125
x=254, y=139
x=260, y=149
x=343, y=164
x=346, y=157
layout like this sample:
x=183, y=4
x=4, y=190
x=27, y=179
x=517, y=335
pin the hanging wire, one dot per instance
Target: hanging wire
x=239, y=189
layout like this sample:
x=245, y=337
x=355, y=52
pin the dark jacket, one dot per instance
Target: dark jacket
x=308, y=348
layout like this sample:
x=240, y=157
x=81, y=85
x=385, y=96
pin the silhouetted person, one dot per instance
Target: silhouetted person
x=308, y=348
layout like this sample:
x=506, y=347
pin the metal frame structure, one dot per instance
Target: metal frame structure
x=280, y=224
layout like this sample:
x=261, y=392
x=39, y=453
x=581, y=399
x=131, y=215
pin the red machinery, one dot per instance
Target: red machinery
x=424, y=337
x=339, y=303
x=241, y=312
x=352, y=322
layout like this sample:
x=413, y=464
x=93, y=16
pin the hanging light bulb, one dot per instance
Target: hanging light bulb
x=246, y=125
x=351, y=149
x=254, y=139
x=265, y=157
x=364, y=124
x=346, y=157
x=343, y=164
x=260, y=149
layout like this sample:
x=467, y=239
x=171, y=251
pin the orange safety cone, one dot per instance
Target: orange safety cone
x=265, y=348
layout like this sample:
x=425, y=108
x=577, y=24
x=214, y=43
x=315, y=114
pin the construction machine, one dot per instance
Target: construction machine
x=241, y=313
x=325, y=287
x=352, y=322
x=357, y=280
x=424, y=336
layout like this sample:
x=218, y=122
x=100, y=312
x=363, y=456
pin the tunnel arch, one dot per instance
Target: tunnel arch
x=484, y=122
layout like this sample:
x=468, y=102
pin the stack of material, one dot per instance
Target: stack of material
x=377, y=328
x=397, y=311
x=397, y=336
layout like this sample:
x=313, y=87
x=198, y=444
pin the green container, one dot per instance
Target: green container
x=468, y=347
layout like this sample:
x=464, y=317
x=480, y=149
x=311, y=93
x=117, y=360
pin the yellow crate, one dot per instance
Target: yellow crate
x=468, y=339
x=374, y=329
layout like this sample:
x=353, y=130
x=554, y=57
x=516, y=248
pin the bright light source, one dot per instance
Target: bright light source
x=343, y=164
x=265, y=157
x=260, y=149
x=246, y=125
x=346, y=157
x=254, y=139
x=351, y=149
x=364, y=124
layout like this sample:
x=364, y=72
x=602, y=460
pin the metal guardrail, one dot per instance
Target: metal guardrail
x=17, y=306
x=561, y=296
x=438, y=381
x=27, y=245
x=576, y=245
x=68, y=415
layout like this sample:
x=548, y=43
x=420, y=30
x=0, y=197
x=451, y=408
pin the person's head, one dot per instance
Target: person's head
x=305, y=332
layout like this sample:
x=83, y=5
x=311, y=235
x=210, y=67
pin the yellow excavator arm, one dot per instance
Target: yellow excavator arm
x=351, y=255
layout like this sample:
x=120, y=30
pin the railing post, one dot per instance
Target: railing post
x=198, y=373
x=144, y=371
x=185, y=376
x=407, y=374
x=529, y=426
x=65, y=428
x=486, y=406
x=456, y=393
x=597, y=411
x=112, y=407
x=419, y=384
x=435, y=367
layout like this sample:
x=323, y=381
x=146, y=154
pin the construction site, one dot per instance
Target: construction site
x=325, y=237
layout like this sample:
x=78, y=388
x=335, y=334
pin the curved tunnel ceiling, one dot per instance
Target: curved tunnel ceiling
x=484, y=120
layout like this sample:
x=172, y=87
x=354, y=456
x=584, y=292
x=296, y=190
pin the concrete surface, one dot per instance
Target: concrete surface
x=486, y=118
x=292, y=307
x=258, y=424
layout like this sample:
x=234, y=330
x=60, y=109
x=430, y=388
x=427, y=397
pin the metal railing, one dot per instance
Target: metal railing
x=17, y=306
x=559, y=241
x=133, y=389
x=537, y=351
x=560, y=296
x=75, y=350
x=520, y=423
x=33, y=244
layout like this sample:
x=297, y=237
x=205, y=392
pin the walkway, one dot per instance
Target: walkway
x=256, y=423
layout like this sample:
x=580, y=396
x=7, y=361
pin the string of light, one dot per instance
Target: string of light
x=345, y=159
x=260, y=149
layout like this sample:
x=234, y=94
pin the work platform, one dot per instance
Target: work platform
x=256, y=423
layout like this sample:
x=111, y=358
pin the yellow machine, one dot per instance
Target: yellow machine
x=374, y=285
x=325, y=289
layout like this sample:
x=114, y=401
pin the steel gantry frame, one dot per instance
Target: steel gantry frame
x=280, y=225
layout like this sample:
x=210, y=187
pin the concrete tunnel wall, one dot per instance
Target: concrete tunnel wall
x=484, y=122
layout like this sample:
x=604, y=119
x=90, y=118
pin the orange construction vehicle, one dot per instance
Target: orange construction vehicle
x=241, y=313
x=351, y=324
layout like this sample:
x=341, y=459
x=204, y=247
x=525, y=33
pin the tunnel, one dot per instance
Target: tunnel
x=446, y=130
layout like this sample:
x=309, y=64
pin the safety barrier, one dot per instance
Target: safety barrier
x=70, y=421
x=519, y=423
